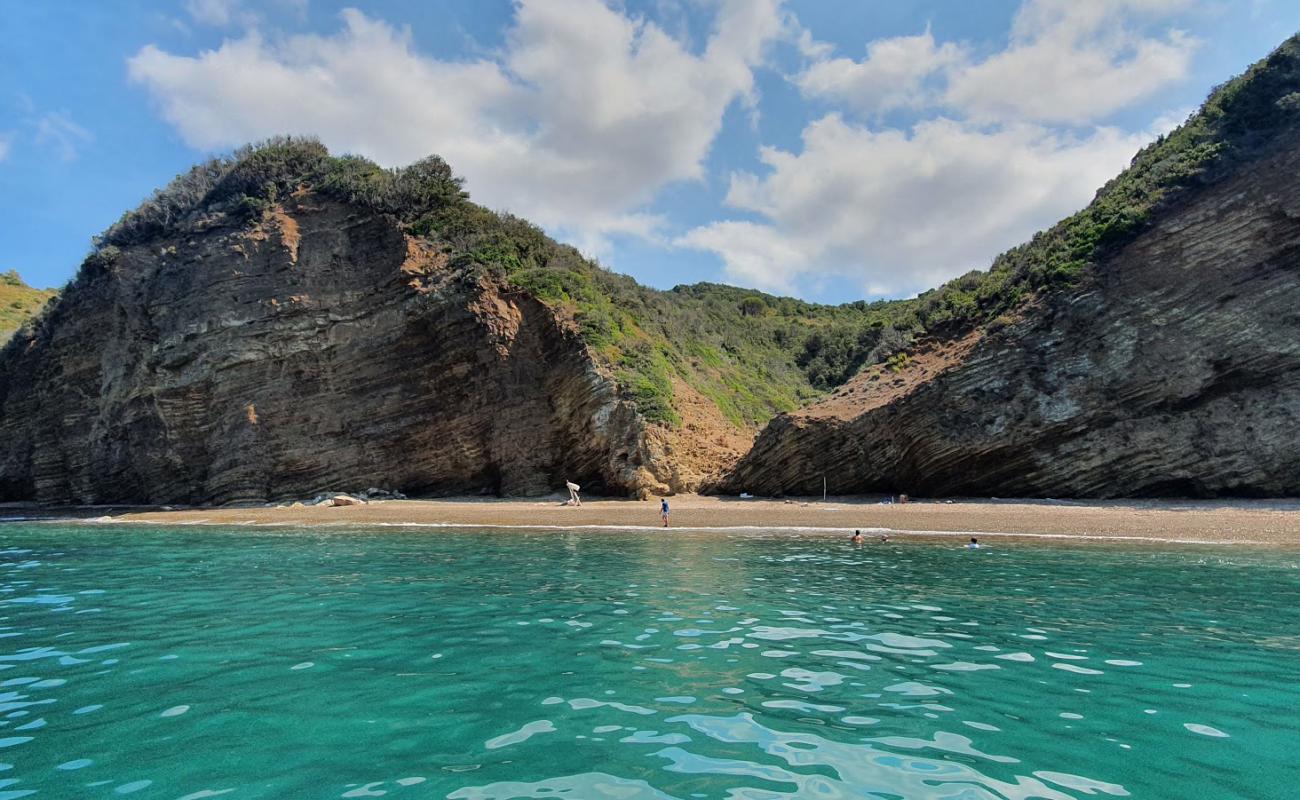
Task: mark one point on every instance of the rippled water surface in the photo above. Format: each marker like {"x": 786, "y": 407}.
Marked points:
{"x": 287, "y": 663}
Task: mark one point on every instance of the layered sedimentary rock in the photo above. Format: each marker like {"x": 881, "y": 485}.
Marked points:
{"x": 284, "y": 322}
{"x": 320, "y": 349}
{"x": 1175, "y": 370}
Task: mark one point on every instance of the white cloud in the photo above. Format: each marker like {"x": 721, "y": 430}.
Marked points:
{"x": 56, "y": 130}
{"x": 585, "y": 114}
{"x": 755, "y": 254}
{"x": 1000, "y": 146}
{"x": 1074, "y": 62}
{"x": 6, "y": 141}
{"x": 893, "y": 75}
{"x": 900, "y": 212}
{"x": 1066, "y": 62}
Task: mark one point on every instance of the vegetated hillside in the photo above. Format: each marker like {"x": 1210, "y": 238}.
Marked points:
{"x": 1238, "y": 120}
{"x": 283, "y": 321}
{"x": 18, "y": 302}
{"x": 749, "y": 353}
{"x": 752, "y": 354}
{"x": 1148, "y": 345}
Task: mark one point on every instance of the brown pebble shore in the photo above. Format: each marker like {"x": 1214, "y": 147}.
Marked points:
{"x": 1253, "y": 522}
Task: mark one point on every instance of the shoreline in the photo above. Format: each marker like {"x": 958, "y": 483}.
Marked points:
{"x": 1273, "y": 523}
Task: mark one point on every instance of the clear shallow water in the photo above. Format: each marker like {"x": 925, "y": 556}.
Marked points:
{"x": 263, "y": 663}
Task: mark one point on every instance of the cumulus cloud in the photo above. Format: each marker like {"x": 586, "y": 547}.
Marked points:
{"x": 584, "y": 115}
{"x": 1072, "y": 62}
{"x": 901, "y": 211}
{"x": 893, "y": 75}
{"x": 1066, "y": 62}
{"x": 1003, "y": 145}
{"x": 586, "y": 112}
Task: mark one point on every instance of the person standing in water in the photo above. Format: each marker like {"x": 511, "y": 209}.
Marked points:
{"x": 663, "y": 510}
{"x": 856, "y": 538}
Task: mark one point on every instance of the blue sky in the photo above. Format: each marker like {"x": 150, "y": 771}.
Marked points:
{"x": 831, "y": 149}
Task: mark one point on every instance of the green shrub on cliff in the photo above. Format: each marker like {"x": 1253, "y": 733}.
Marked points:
{"x": 254, "y": 177}
{"x": 1239, "y": 118}
{"x": 18, "y": 302}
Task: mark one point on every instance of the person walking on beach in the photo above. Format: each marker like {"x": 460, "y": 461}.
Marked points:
{"x": 663, "y": 510}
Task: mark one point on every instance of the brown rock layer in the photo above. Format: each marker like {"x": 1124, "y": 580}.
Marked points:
{"x": 322, "y": 350}
{"x": 1175, "y": 371}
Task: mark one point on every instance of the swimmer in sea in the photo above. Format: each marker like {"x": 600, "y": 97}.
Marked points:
{"x": 974, "y": 543}
{"x": 856, "y": 538}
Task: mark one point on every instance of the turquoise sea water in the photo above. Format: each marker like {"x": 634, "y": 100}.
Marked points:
{"x": 194, "y": 662}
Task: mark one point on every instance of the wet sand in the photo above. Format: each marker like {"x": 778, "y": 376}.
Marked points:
{"x": 1256, "y": 522}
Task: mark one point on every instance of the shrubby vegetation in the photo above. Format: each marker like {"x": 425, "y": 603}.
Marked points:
{"x": 751, "y": 353}
{"x": 255, "y": 177}
{"x": 1237, "y": 120}
{"x": 18, "y": 302}
{"x": 836, "y": 353}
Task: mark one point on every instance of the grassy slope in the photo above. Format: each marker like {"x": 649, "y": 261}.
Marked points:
{"x": 18, "y": 302}
{"x": 752, "y": 354}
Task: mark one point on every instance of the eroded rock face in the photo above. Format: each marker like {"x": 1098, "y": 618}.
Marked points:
{"x": 322, "y": 350}
{"x": 1176, "y": 373}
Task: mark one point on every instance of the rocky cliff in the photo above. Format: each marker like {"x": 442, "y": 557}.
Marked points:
{"x": 284, "y": 322}
{"x": 1172, "y": 370}
{"x": 319, "y": 348}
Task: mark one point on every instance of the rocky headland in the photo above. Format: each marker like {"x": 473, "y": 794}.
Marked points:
{"x": 284, "y": 322}
{"x": 322, "y": 346}
{"x": 1171, "y": 368}
{"x": 1174, "y": 373}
